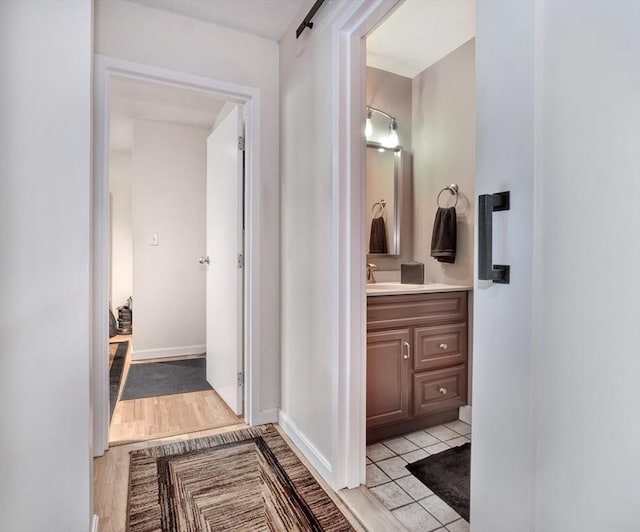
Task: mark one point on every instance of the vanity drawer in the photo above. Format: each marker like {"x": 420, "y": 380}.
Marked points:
{"x": 439, "y": 346}
{"x": 417, "y": 309}
{"x": 439, "y": 390}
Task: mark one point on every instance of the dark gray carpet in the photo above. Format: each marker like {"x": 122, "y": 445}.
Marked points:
{"x": 448, "y": 475}
{"x": 115, "y": 374}
{"x": 151, "y": 379}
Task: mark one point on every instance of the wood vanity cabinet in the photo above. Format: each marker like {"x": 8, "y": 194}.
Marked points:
{"x": 416, "y": 361}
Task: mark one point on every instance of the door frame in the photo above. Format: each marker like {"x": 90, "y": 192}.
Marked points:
{"x": 249, "y": 97}
{"x": 349, "y": 99}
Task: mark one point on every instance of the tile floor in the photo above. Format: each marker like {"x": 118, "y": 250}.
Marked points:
{"x": 409, "y": 500}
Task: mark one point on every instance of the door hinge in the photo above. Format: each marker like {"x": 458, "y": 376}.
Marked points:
{"x": 240, "y": 378}
{"x": 240, "y": 261}
{"x": 241, "y": 143}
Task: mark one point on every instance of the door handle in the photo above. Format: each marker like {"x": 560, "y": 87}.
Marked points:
{"x": 203, "y": 260}
{"x": 407, "y": 353}
{"x": 487, "y": 205}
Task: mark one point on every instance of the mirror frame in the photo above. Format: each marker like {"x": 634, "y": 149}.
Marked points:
{"x": 394, "y": 247}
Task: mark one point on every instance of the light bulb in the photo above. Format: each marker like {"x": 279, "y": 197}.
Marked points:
{"x": 392, "y": 140}
{"x": 368, "y": 128}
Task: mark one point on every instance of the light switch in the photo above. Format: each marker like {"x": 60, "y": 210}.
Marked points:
{"x": 154, "y": 240}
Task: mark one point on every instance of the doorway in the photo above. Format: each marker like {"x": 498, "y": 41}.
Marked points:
{"x": 176, "y": 189}
{"x": 420, "y": 102}
{"x": 507, "y": 51}
{"x": 226, "y": 103}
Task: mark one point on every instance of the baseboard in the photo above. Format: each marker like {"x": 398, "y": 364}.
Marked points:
{"x": 317, "y": 459}
{"x": 167, "y": 352}
{"x": 94, "y": 523}
{"x": 465, "y": 414}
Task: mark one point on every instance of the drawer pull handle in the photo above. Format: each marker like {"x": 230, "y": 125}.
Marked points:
{"x": 443, "y": 391}
{"x": 407, "y": 353}
{"x": 443, "y": 347}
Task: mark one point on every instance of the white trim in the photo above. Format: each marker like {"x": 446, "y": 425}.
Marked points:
{"x": 311, "y": 453}
{"x": 266, "y": 416}
{"x": 464, "y": 414}
{"x": 168, "y": 352}
{"x": 349, "y": 233}
{"x": 94, "y": 523}
{"x": 249, "y": 97}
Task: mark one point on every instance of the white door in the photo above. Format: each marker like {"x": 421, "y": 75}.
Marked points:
{"x": 224, "y": 251}
{"x": 501, "y": 466}
{"x": 555, "y": 363}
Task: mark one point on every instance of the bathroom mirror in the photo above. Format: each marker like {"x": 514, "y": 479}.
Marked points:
{"x": 384, "y": 171}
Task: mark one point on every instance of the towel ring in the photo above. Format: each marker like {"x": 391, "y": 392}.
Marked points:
{"x": 381, "y": 205}
{"x": 453, "y": 188}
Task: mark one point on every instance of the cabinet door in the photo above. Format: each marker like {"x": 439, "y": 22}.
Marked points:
{"x": 388, "y": 377}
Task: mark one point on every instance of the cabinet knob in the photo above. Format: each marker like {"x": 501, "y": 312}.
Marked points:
{"x": 443, "y": 347}
{"x": 443, "y": 391}
{"x": 407, "y": 353}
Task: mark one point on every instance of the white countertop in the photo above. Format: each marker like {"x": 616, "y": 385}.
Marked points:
{"x": 397, "y": 288}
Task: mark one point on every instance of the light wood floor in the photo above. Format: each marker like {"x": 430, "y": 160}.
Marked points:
{"x": 167, "y": 415}
{"x": 156, "y": 420}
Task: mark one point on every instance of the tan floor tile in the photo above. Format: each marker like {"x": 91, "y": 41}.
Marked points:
{"x": 394, "y": 467}
{"x": 443, "y": 433}
{"x": 391, "y": 495}
{"x": 414, "y": 487}
{"x": 400, "y": 445}
{"x": 458, "y": 526}
{"x": 439, "y": 509}
{"x": 375, "y": 476}
{"x": 415, "y": 518}
{"x": 377, "y": 452}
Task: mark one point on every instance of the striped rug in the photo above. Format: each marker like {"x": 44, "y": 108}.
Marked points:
{"x": 243, "y": 480}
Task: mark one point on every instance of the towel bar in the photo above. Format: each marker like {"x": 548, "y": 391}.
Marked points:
{"x": 453, "y": 188}
{"x": 382, "y": 204}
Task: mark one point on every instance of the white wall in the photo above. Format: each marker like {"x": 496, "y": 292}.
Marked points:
{"x": 120, "y": 187}
{"x": 45, "y": 145}
{"x": 134, "y": 32}
{"x": 309, "y": 350}
{"x": 392, "y": 94}
{"x": 169, "y": 191}
{"x": 444, "y": 140}
{"x": 587, "y": 337}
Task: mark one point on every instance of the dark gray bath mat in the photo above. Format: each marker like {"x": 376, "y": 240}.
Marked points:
{"x": 151, "y": 379}
{"x": 115, "y": 374}
{"x": 448, "y": 475}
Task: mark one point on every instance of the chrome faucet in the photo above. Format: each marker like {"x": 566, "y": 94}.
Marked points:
{"x": 370, "y": 269}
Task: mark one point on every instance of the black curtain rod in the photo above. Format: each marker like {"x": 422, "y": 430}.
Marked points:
{"x": 306, "y": 23}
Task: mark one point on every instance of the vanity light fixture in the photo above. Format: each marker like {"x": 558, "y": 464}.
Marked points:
{"x": 390, "y": 141}
{"x": 368, "y": 128}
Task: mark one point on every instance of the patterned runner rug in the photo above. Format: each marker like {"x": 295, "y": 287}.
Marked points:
{"x": 243, "y": 480}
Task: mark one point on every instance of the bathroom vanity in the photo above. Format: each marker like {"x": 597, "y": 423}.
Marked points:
{"x": 417, "y": 356}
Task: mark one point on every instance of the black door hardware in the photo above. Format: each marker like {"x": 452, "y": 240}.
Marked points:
{"x": 487, "y": 205}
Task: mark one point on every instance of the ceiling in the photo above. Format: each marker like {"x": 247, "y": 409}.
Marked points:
{"x": 419, "y": 33}
{"x": 130, "y": 99}
{"x": 266, "y": 18}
